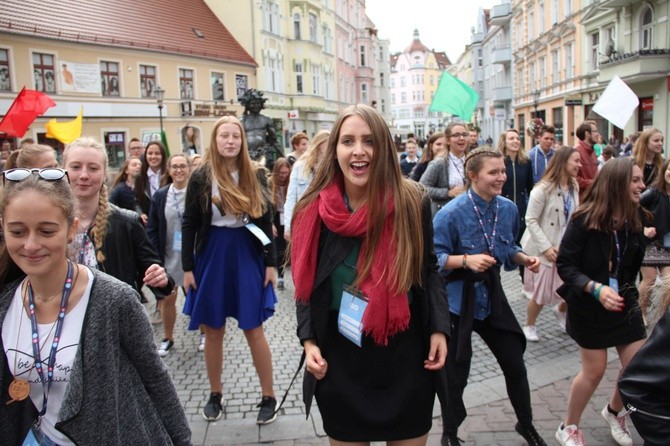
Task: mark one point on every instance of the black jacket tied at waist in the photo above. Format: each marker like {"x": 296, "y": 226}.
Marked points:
{"x": 501, "y": 316}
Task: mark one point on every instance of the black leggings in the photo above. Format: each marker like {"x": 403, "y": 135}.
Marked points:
{"x": 280, "y": 244}
{"x": 507, "y": 347}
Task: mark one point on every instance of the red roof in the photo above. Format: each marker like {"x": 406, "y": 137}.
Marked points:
{"x": 416, "y": 44}
{"x": 442, "y": 59}
{"x": 167, "y": 26}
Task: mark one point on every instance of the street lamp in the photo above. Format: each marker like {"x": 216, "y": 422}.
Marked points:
{"x": 159, "y": 98}
{"x": 536, "y": 100}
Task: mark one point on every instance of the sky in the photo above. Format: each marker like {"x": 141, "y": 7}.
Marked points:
{"x": 444, "y": 25}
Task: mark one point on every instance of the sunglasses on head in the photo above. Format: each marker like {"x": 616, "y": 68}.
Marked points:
{"x": 20, "y": 174}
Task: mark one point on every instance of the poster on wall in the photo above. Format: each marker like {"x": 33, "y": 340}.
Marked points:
{"x": 79, "y": 77}
{"x": 241, "y": 84}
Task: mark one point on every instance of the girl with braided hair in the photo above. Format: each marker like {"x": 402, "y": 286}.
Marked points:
{"x": 109, "y": 238}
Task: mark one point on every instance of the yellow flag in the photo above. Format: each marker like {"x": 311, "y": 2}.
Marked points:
{"x": 65, "y": 132}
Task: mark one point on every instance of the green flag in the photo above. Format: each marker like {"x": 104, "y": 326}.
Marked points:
{"x": 454, "y": 96}
{"x": 164, "y": 141}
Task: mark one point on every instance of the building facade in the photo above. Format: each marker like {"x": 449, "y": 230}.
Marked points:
{"x": 111, "y": 65}
{"x": 631, "y": 40}
{"x": 415, "y": 75}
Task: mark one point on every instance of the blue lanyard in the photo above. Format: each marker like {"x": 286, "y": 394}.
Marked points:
{"x": 490, "y": 240}
{"x": 67, "y": 288}
{"x": 180, "y": 211}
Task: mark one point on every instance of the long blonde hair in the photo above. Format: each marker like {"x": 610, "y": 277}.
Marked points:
{"x": 385, "y": 182}
{"x": 312, "y": 156}
{"x": 245, "y": 197}
{"x": 521, "y": 156}
{"x": 99, "y": 230}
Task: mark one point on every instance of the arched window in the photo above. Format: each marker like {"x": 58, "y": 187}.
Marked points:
{"x": 296, "y": 26}
{"x": 646, "y": 28}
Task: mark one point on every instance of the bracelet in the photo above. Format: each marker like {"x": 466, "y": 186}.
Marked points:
{"x": 596, "y": 293}
{"x": 465, "y": 259}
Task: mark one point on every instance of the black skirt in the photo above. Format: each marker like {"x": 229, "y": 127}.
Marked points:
{"x": 603, "y": 328}
{"x": 374, "y": 393}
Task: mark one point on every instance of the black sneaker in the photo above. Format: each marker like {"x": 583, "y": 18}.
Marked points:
{"x": 213, "y": 409}
{"x": 450, "y": 440}
{"x": 530, "y": 435}
{"x": 267, "y": 413}
{"x": 165, "y": 347}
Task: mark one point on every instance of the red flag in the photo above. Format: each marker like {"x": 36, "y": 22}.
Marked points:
{"x": 27, "y": 106}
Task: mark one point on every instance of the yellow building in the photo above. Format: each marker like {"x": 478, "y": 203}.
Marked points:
{"x": 112, "y": 62}
{"x": 293, "y": 42}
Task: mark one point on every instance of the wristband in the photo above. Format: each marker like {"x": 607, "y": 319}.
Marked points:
{"x": 596, "y": 293}
{"x": 593, "y": 287}
{"x": 465, "y": 258}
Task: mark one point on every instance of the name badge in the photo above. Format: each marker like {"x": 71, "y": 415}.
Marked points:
{"x": 34, "y": 437}
{"x": 350, "y": 319}
{"x": 176, "y": 241}
{"x": 614, "y": 284}
{"x": 258, "y": 233}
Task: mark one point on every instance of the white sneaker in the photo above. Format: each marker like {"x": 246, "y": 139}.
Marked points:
{"x": 165, "y": 347}
{"x": 561, "y": 316}
{"x": 620, "y": 432}
{"x": 531, "y": 333}
{"x": 569, "y": 435}
{"x": 201, "y": 346}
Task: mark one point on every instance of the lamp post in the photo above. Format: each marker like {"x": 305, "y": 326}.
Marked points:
{"x": 536, "y": 100}
{"x": 160, "y": 93}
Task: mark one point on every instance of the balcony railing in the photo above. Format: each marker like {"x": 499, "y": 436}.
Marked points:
{"x": 501, "y": 55}
{"x": 501, "y": 14}
{"x": 618, "y": 57}
{"x": 502, "y": 94}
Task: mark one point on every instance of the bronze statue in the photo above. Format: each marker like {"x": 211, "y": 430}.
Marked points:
{"x": 260, "y": 130}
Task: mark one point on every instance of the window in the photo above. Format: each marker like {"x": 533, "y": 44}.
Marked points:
{"x": 364, "y": 93}
{"x": 554, "y": 12}
{"x": 540, "y": 18}
{"x": 216, "y": 80}
{"x": 312, "y": 27}
{"x": 316, "y": 79}
{"x": 362, "y": 53}
{"x": 595, "y": 49}
{"x": 392, "y": 98}
{"x": 148, "y": 81}
{"x": 392, "y": 82}
{"x": 186, "y": 83}
{"x": 568, "y": 8}
{"x": 329, "y": 83}
{"x": 569, "y": 61}
{"x": 45, "y": 77}
{"x": 5, "y": 76}
{"x": 646, "y": 28}
{"x": 480, "y": 57}
{"x": 296, "y": 26}
{"x": 555, "y": 67}
{"x": 403, "y": 81}
{"x": 381, "y": 79}
{"x": 327, "y": 40}
{"x": 403, "y": 97}
{"x": 383, "y": 106}
{"x": 270, "y": 16}
{"x": 109, "y": 78}
{"x": 432, "y": 80}
{"x": 241, "y": 85}
{"x": 543, "y": 70}
{"x": 115, "y": 143}
{"x": 531, "y": 25}
{"x": 531, "y": 76}
{"x": 298, "y": 77}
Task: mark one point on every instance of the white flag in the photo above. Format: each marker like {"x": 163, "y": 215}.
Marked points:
{"x": 617, "y": 103}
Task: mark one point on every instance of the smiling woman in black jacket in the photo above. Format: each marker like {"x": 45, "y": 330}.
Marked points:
{"x": 109, "y": 238}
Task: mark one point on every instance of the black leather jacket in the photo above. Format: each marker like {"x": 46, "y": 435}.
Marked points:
{"x": 128, "y": 252}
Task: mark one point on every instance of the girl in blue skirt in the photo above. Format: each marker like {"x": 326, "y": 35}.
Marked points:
{"x": 229, "y": 259}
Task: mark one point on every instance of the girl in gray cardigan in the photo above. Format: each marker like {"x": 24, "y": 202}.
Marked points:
{"x": 104, "y": 383}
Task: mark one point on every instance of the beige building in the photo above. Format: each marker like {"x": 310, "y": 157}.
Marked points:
{"x": 550, "y": 72}
{"x": 111, "y": 64}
